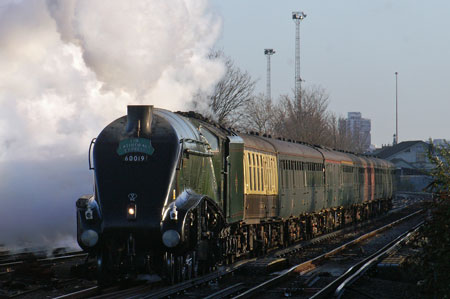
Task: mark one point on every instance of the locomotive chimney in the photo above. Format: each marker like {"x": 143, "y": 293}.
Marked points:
{"x": 139, "y": 120}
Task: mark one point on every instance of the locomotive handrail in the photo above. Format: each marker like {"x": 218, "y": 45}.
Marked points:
{"x": 194, "y": 152}
{"x": 197, "y": 153}
{"x": 193, "y": 141}
{"x": 90, "y": 152}
{"x": 180, "y": 155}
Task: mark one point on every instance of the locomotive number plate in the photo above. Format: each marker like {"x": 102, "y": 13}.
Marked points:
{"x": 137, "y": 158}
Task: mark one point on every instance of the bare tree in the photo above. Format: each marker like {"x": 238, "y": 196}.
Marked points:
{"x": 257, "y": 116}
{"x": 306, "y": 120}
{"x": 230, "y": 94}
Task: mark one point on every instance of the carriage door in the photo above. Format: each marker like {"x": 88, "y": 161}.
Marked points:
{"x": 235, "y": 179}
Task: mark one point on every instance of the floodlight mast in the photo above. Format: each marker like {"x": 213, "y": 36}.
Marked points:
{"x": 268, "y": 53}
{"x": 297, "y": 16}
{"x": 396, "y": 107}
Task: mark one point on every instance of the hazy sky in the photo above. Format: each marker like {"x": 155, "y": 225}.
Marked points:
{"x": 352, "y": 49}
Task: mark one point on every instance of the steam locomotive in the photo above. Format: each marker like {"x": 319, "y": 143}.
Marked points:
{"x": 176, "y": 195}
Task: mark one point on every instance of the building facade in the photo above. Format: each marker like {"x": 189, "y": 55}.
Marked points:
{"x": 411, "y": 161}
{"x": 359, "y": 128}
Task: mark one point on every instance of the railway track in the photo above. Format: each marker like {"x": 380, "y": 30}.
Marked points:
{"x": 8, "y": 265}
{"x": 155, "y": 289}
{"x": 27, "y": 274}
{"x": 21, "y": 261}
{"x": 339, "y": 285}
{"x": 234, "y": 280}
{"x": 210, "y": 286}
{"x": 251, "y": 281}
{"x": 300, "y": 279}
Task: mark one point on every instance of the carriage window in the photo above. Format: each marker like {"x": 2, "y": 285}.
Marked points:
{"x": 286, "y": 179}
{"x": 267, "y": 173}
{"x": 262, "y": 172}
{"x": 256, "y": 171}
{"x": 250, "y": 171}
{"x": 253, "y": 172}
{"x": 293, "y": 175}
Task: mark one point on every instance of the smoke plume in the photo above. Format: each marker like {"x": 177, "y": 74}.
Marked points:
{"x": 67, "y": 69}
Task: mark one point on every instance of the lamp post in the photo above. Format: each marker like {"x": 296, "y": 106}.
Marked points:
{"x": 396, "y": 107}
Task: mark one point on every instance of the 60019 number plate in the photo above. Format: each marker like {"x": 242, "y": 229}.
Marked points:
{"x": 135, "y": 158}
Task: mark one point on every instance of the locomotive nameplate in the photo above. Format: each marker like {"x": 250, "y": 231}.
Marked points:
{"x": 135, "y": 146}
{"x": 135, "y": 150}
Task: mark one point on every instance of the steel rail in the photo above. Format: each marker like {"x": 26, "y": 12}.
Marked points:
{"x": 337, "y": 286}
{"x": 370, "y": 262}
{"x": 89, "y": 292}
{"x": 225, "y": 293}
{"x": 115, "y": 291}
{"x": 310, "y": 264}
{"x": 70, "y": 255}
{"x": 181, "y": 287}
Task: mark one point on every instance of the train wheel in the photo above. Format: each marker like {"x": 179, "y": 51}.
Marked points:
{"x": 169, "y": 261}
{"x": 187, "y": 269}
{"x": 179, "y": 267}
{"x": 190, "y": 266}
{"x": 104, "y": 276}
{"x": 194, "y": 264}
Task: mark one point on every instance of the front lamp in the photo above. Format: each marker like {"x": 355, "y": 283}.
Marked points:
{"x": 89, "y": 238}
{"x": 171, "y": 238}
{"x": 131, "y": 211}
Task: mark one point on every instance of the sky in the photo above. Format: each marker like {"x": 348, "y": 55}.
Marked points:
{"x": 352, "y": 49}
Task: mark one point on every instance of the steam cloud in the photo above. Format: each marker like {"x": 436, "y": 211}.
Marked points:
{"x": 68, "y": 68}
